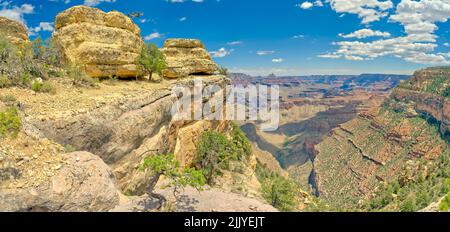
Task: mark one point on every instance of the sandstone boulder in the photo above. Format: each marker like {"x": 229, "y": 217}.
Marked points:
{"x": 187, "y": 57}
{"x": 14, "y": 31}
{"x": 84, "y": 184}
{"x": 107, "y": 44}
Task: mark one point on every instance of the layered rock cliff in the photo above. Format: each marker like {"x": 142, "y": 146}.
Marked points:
{"x": 106, "y": 44}
{"x": 186, "y": 57}
{"x": 405, "y": 143}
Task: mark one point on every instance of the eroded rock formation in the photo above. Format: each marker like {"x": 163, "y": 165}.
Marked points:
{"x": 107, "y": 44}
{"x": 14, "y": 31}
{"x": 186, "y": 57}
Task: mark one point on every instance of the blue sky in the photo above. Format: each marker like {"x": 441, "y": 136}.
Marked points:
{"x": 286, "y": 37}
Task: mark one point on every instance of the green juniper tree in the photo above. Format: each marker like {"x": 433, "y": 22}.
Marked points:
{"x": 166, "y": 165}
{"x": 152, "y": 60}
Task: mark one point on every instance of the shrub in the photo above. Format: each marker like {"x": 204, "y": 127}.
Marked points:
{"x": 409, "y": 205}
{"x": 5, "y": 82}
{"x": 36, "y": 86}
{"x": 69, "y": 148}
{"x": 223, "y": 71}
{"x": 10, "y": 122}
{"x": 240, "y": 142}
{"x": 25, "y": 79}
{"x": 48, "y": 87}
{"x": 151, "y": 60}
{"x": 445, "y": 203}
{"x": 280, "y": 192}
{"x": 214, "y": 152}
{"x": 17, "y": 62}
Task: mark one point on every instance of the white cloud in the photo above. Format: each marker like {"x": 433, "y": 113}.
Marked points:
{"x": 330, "y": 56}
{"x": 222, "y": 52}
{"x": 96, "y": 2}
{"x": 447, "y": 44}
{"x": 277, "y": 60}
{"x": 318, "y": 3}
{"x": 419, "y": 19}
{"x": 368, "y": 10}
{"x": 306, "y": 5}
{"x": 155, "y": 35}
{"x": 64, "y": 1}
{"x": 298, "y": 36}
{"x": 14, "y": 12}
{"x": 264, "y": 53}
{"x": 365, "y": 33}
{"x": 43, "y": 26}
{"x": 233, "y": 43}
{"x": 182, "y": 19}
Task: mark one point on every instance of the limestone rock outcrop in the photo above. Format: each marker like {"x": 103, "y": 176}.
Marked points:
{"x": 186, "y": 57}
{"x": 84, "y": 184}
{"x": 14, "y": 31}
{"x": 107, "y": 44}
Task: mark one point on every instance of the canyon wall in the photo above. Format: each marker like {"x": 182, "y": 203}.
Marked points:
{"x": 385, "y": 145}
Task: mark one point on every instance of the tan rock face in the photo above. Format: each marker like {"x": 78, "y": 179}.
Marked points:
{"x": 14, "y": 31}
{"x": 187, "y": 57}
{"x": 107, "y": 44}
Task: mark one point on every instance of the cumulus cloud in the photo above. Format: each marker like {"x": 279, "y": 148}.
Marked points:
{"x": 419, "y": 19}
{"x": 368, "y": 10}
{"x": 365, "y": 33}
{"x": 222, "y": 52}
{"x": 306, "y": 5}
{"x": 14, "y": 12}
{"x": 43, "y": 26}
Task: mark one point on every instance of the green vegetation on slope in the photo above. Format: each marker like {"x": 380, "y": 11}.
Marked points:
{"x": 437, "y": 82}
{"x": 10, "y": 122}
{"x": 445, "y": 203}
{"x": 421, "y": 181}
{"x": 215, "y": 151}
{"x": 282, "y": 193}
